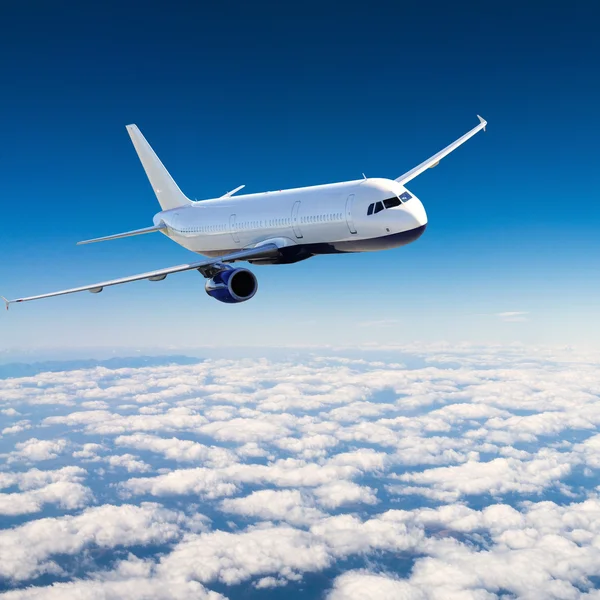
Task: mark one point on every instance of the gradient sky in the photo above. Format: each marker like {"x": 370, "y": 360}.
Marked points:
{"x": 274, "y": 95}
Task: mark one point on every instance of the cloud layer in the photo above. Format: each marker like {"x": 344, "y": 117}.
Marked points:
{"x": 477, "y": 466}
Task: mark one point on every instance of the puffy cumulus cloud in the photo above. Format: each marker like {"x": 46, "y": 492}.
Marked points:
{"x": 103, "y": 422}
{"x": 339, "y": 493}
{"x": 129, "y": 462}
{"x": 347, "y": 534}
{"x": 179, "y": 450}
{"x": 17, "y": 427}
{"x": 288, "y": 472}
{"x": 65, "y": 494}
{"x": 290, "y": 506}
{"x": 131, "y": 579}
{"x": 299, "y": 462}
{"x": 283, "y": 550}
{"x": 589, "y": 451}
{"x": 131, "y": 588}
{"x": 250, "y": 429}
{"x": 26, "y": 550}
{"x": 270, "y": 582}
{"x": 236, "y": 557}
{"x": 205, "y": 483}
{"x": 365, "y": 459}
{"x": 543, "y": 551}
{"x": 426, "y": 492}
{"x": 10, "y": 412}
{"x": 34, "y": 450}
{"x": 89, "y": 452}
{"x": 498, "y": 476}
{"x": 362, "y": 585}
{"x": 36, "y": 478}
{"x": 308, "y": 446}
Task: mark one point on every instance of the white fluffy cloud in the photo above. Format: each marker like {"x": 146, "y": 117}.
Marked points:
{"x": 34, "y": 450}
{"x": 65, "y": 494}
{"x": 129, "y": 462}
{"x": 339, "y": 493}
{"x": 179, "y": 450}
{"x": 303, "y": 464}
{"x": 289, "y": 506}
{"x": 26, "y": 551}
{"x": 498, "y": 476}
{"x": 362, "y": 585}
{"x": 132, "y": 579}
{"x": 283, "y": 550}
{"x": 35, "y": 478}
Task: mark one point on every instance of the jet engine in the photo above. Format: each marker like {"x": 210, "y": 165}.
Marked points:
{"x": 232, "y": 285}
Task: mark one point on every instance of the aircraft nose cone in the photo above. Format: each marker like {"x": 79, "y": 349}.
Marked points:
{"x": 417, "y": 211}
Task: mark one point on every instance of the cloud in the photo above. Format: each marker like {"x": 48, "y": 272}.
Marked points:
{"x": 65, "y": 494}
{"x": 89, "y": 452}
{"x": 26, "y": 550}
{"x": 131, "y": 579}
{"x": 498, "y": 476}
{"x": 289, "y": 506}
{"x": 284, "y": 551}
{"x": 340, "y": 493}
{"x": 205, "y": 483}
{"x": 34, "y": 450}
{"x": 362, "y": 585}
{"x": 128, "y": 462}
{"x": 18, "y": 427}
{"x": 179, "y": 450}
{"x": 102, "y": 422}
{"x": 35, "y": 478}
{"x": 304, "y": 464}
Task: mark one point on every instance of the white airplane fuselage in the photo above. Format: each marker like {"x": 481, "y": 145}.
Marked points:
{"x": 303, "y": 222}
{"x": 279, "y": 227}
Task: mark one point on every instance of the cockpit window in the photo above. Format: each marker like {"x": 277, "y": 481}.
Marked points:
{"x": 391, "y": 203}
{"x": 388, "y": 203}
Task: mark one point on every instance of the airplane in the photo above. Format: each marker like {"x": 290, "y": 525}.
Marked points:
{"x": 272, "y": 228}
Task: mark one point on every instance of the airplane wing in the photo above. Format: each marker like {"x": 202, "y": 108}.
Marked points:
{"x": 259, "y": 252}
{"x": 435, "y": 159}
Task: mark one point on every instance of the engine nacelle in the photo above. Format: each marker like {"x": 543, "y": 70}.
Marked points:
{"x": 232, "y": 285}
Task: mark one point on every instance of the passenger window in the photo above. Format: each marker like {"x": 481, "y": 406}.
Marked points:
{"x": 391, "y": 202}
{"x": 378, "y": 207}
{"x": 370, "y": 209}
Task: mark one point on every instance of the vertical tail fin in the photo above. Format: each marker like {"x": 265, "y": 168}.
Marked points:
{"x": 167, "y": 191}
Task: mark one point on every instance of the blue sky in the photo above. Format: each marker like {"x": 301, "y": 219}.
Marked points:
{"x": 272, "y": 96}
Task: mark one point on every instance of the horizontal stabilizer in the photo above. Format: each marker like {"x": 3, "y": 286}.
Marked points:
{"x": 117, "y": 236}
{"x": 232, "y": 192}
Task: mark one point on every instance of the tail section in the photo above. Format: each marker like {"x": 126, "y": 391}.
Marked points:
{"x": 167, "y": 191}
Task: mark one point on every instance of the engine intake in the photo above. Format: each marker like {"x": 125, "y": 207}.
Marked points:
{"x": 232, "y": 285}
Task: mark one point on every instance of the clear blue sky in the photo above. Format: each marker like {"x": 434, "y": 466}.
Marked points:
{"x": 272, "y": 96}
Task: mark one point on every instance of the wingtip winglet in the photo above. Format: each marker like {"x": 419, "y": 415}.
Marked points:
{"x": 7, "y": 302}
{"x": 482, "y": 121}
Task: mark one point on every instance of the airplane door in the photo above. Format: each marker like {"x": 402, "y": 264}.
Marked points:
{"x": 295, "y": 220}
{"x": 349, "y": 220}
{"x": 232, "y": 229}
